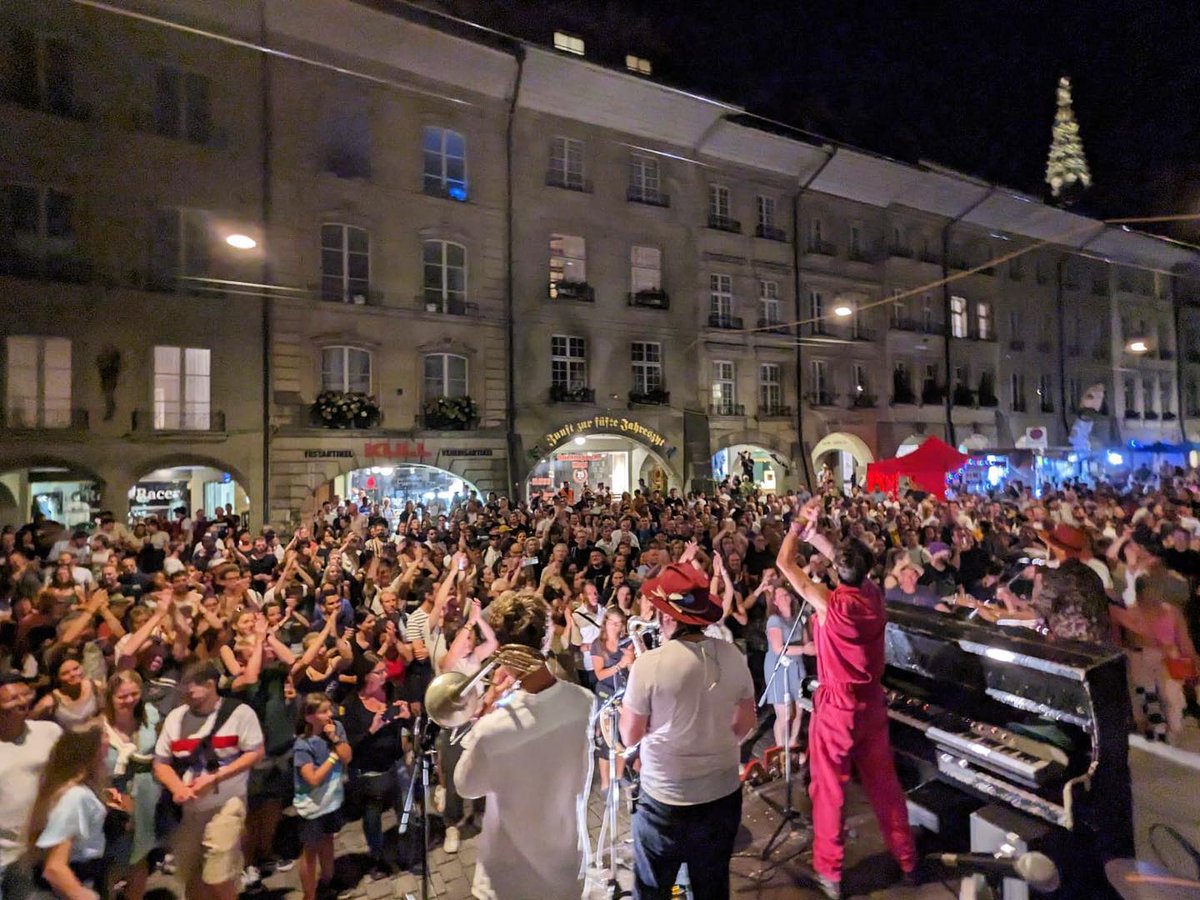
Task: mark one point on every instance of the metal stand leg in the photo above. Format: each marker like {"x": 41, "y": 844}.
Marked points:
{"x": 790, "y": 818}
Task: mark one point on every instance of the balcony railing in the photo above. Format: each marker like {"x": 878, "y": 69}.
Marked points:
{"x": 568, "y": 182}
{"x": 1168, "y": 417}
{"x": 724, "y": 223}
{"x": 1019, "y": 406}
{"x": 352, "y": 295}
{"x": 860, "y": 254}
{"x": 1132, "y": 414}
{"x": 822, "y": 248}
{"x": 647, "y": 197}
{"x": 656, "y": 397}
{"x": 433, "y": 421}
{"x": 918, "y": 326}
{"x": 770, "y": 233}
{"x": 900, "y": 251}
{"x": 964, "y": 396}
{"x": 572, "y": 290}
{"x": 561, "y": 393}
{"x": 144, "y": 421}
{"x": 987, "y": 337}
{"x": 773, "y": 326}
{"x": 726, "y": 409}
{"x": 821, "y": 398}
{"x": 933, "y": 393}
{"x": 905, "y": 397}
{"x": 22, "y": 419}
{"x": 859, "y": 333}
{"x": 928, "y": 256}
{"x": 733, "y": 323}
{"x": 988, "y": 401}
{"x": 1150, "y": 415}
{"x": 657, "y": 299}
{"x": 447, "y": 306}
{"x": 863, "y": 400}
{"x": 774, "y": 411}
{"x": 1046, "y": 407}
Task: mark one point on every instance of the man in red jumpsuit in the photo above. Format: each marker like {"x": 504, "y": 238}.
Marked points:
{"x": 849, "y": 726}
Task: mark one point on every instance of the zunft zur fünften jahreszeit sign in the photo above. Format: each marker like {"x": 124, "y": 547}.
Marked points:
{"x": 608, "y": 425}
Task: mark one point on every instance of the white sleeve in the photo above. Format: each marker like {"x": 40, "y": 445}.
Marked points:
{"x": 246, "y": 725}
{"x": 637, "y": 688}
{"x": 472, "y": 777}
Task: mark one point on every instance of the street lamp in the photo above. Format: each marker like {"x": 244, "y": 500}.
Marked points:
{"x": 843, "y": 311}
{"x": 241, "y": 242}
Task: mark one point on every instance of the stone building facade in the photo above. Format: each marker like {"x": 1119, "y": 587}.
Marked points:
{"x": 628, "y": 283}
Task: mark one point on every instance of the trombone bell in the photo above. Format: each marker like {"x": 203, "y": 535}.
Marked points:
{"x": 448, "y": 701}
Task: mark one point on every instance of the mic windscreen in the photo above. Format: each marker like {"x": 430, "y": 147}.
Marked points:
{"x": 1039, "y": 870}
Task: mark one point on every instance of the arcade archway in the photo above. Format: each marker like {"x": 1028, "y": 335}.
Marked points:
{"x": 61, "y": 491}
{"x": 762, "y": 466}
{"x": 841, "y": 457}
{"x": 391, "y": 488}
{"x": 161, "y": 492}
{"x": 587, "y": 461}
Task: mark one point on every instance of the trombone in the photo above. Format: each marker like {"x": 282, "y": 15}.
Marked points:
{"x": 451, "y": 699}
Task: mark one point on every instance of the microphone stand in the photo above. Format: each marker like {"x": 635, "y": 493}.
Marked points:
{"x": 790, "y": 817}
{"x": 421, "y": 757}
{"x": 612, "y": 799}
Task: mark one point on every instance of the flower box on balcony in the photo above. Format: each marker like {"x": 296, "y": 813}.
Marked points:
{"x": 449, "y": 413}
{"x": 345, "y": 409}
{"x": 650, "y": 398}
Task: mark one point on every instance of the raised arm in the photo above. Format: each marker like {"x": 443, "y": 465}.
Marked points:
{"x": 812, "y": 592}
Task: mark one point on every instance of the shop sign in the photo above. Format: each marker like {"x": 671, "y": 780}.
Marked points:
{"x": 395, "y": 450}
{"x": 467, "y": 451}
{"x": 159, "y": 493}
{"x": 329, "y": 454}
{"x": 608, "y": 425}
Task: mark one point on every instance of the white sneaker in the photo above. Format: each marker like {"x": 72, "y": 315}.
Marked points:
{"x": 439, "y": 799}
{"x": 450, "y": 844}
{"x": 250, "y": 877}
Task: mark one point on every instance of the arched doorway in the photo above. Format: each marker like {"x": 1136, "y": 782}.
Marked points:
{"x": 764, "y": 467}
{"x": 973, "y": 443}
{"x": 61, "y": 491}
{"x": 161, "y": 491}
{"x": 391, "y": 487}
{"x": 841, "y": 458}
{"x": 587, "y": 461}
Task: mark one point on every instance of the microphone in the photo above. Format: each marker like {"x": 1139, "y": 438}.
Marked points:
{"x": 1035, "y": 869}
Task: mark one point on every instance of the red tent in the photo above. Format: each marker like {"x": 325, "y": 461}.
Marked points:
{"x": 926, "y": 467}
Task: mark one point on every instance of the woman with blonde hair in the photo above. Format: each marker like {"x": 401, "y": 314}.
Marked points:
{"x": 65, "y": 834}
{"x": 131, "y": 726}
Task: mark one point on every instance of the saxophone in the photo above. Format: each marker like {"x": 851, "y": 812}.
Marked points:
{"x": 637, "y": 631}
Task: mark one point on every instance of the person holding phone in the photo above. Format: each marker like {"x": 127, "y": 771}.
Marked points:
{"x": 376, "y": 728}
{"x": 320, "y": 757}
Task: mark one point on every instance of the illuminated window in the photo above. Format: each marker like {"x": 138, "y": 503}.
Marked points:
{"x": 632, "y": 63}
{"x": 568, "y": 43}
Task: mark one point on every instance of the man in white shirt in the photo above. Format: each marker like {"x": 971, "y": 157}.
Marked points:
{"x": 24, "y": 750}
{"x": 203, "y": 760}
{"x": 690, "y": 702}
{"x": 530, "y": 758}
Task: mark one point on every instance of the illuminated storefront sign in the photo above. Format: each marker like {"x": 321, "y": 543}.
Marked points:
{"x": 605, "y": 425}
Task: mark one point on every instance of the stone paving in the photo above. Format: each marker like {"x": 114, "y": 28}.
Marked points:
{"x": 1157, "y": 796}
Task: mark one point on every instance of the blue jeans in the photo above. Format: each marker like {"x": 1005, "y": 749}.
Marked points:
{"x": 665, "y": 837}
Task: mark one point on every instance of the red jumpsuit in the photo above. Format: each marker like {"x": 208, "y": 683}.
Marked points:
{"x": 849, "y": 728}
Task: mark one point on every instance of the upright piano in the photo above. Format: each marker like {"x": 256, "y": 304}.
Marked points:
{"x": 1009, "y": 717}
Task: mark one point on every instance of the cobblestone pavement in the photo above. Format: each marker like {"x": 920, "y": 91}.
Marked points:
{"x": 1157, "y": 781}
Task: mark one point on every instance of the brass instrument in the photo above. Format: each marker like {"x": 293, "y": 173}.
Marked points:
{"x": 638, "y": 628}
{"x": 451, "y": 700}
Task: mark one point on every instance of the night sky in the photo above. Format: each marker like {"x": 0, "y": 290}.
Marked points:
{"x": 968, "y": 84}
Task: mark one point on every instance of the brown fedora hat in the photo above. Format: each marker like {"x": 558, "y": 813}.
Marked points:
{"x": 1068, "y": 539}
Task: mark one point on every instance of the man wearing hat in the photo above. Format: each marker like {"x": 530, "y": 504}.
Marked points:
{"x": 690, "y": 702}
{"x": 849, "y": 728}
{"x": 1070, "y": 596}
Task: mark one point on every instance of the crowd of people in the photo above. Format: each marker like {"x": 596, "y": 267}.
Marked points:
{"x": 169, "y": 691}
